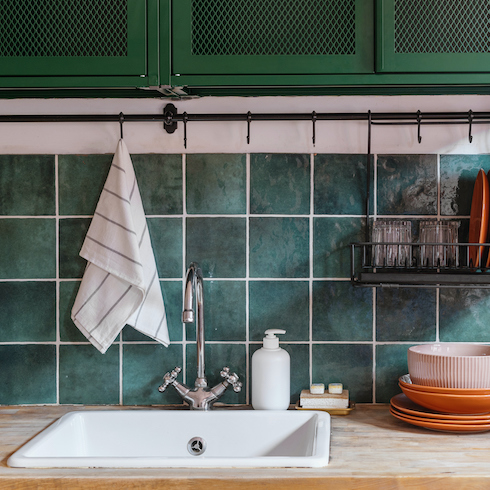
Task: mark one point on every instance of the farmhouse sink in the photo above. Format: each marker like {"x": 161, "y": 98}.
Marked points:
{"x": 177, "y": 438}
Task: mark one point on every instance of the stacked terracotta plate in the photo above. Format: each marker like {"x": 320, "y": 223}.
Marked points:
{"x": 448, "y": 387}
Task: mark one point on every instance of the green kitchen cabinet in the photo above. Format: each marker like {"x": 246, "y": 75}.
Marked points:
{"x": 79, "y": 43}
{"x": 272, "y": 37}
{"x": 433, "y": 36}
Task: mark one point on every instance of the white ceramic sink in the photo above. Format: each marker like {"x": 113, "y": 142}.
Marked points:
{"x": 160, "y": 438}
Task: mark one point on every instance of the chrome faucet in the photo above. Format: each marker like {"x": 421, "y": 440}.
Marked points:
{"x": 200, "y": 397}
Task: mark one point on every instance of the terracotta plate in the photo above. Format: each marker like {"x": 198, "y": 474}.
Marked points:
{"x": 479, "y": 217}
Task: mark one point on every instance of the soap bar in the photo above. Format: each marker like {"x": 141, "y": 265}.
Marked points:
{"x": 317, "y": 388}
{"x": 335, "y": 388}
{"x": 326, "y": 400}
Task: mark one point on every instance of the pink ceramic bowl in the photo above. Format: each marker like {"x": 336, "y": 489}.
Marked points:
{"x": 450, "y": 365}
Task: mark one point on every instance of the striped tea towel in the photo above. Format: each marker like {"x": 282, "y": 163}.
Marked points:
{"x": 120, "y": 284}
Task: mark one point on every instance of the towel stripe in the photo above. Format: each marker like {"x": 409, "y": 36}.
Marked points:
{"x": 115, "y": 251}
{"x": 114, "y": 222}
{"x": 116, "y": 195}
{"x": 148, "y": 288}
{"x": 94, "y": 292}
{"x": 118, "y": 167}
{"x": 110, "y": 309}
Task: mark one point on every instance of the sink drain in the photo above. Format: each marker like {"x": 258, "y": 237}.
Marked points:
{"x": 196, "y": 446}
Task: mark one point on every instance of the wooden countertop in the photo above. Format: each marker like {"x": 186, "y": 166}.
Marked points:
{"x": 370, "y": 449}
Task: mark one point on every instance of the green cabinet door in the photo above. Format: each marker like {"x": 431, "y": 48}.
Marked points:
{"x": 433, "y": 36}
{"x": 73, "y": 37}
{"x": 273, "y": 37}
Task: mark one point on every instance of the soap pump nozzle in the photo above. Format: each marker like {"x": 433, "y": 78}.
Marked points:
{"x": 270, "y": 339}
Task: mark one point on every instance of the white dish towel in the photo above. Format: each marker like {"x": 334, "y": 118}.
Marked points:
{"x": 120, "y": 284}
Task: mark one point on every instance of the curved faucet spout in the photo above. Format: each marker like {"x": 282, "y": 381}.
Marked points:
{"x": 194, "y": 286}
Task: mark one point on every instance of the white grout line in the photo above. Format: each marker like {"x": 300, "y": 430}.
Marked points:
{"x": 184, "y": 262}
{"x": 311, "y": 255}
{"x": 247, "y": 281}
{"x": 57, "y": 258}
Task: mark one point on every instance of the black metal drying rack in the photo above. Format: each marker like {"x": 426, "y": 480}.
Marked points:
{"x": 363, "y": 271}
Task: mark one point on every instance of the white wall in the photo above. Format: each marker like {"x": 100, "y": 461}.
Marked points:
{"x": 331, "y": 136}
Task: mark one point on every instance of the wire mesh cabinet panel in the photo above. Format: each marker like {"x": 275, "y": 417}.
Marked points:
{"x": 433, "y": 35}
{"x": 72, "y": 37}
{"x": 272, "y": 37}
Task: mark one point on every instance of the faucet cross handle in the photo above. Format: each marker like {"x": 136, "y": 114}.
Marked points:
{"x": 233, "y": 379}
{"x": 169, "y": 378}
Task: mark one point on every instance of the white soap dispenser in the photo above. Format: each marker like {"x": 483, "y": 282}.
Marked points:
{"x": 270, "y": 374}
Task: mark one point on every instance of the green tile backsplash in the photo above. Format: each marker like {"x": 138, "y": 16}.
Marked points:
{"x": 271, "y": 233}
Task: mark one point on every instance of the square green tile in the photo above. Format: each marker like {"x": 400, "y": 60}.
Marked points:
{"x": 217, "y": 357}
{"x": 407, "y": 184}
{"x": 143, "y": 370}
{"x": 28, "y": 374}
{"x": 279, "y": 183}
{"x": 72, "y": 235}
{"x": 28, "y": 248}
{"x": 331, "y": 250}
{"x": 342, "y": 312}
{"x": 340, "y": 184}
{"x": 28, "y": 311}
{"x": 87, "y": 376}
{"x": 458, "y": 175}
{"x": 27, "y": 185}
{"x": 279, "y": 247}
{"x": 217, "y": 245}
{"x": 159, "y": 179}
{"x": 68, "y": 330}
{"x": 407, "y": 314}
{"x": 349, "y": 364}
{"x": 464, "y": 315}
{"x": 81, "y": 180}
{"x": 216, "y": 184}
{"x": 224, "y": 312}
{"x": 391, "y": 363}
{"x": 299, "y": 368}
{"x": 166, "y": 240}
{"x": 172, "y": 299}
{"x": 279, "y": 304}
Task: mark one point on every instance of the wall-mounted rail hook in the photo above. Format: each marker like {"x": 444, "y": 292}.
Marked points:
{"x": 185, "y": 118}
{"x": 169, "y": 124}
{"x": 313, "y": 119}
{"x": 419, "y": 120}
{"x": 249, "y": 120}
{"x": 121, "y": 121}
{"x": 470, "y": 122}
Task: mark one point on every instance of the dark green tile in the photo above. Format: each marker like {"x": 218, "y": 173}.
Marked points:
{"x": 159, "y": 179}
{"x": 166, "y": 240}
{"x": 87, "y": 376}
{"x": 172, "y": 298}
{"x": 391, "y": 363}
{"x": 342, "y": 312}
{"x": 216, "y": 184}
{"x": 143, "y": 370}
{"x": 340, "y": 184}
{"x": 458, "y": 175}
{"x": 217, "y": 357}
{"x": 28, "y": 374}
{"x": 27, "y": 185}
{"x": 68, "y": 330}
{"x": 407, "y": 314}
{"x": 217, "y": 245}
{"x": 331, "y": 251}
{"x": 72, "y": 235}
{"x": 349, "y": 364}
{"x": 28, "y": 311}
{"x": 464, "y": 315}
{"x": 279, "y": 247}
{"x": 280, "y": 183}
{"x": 407, "y": 184}
{"x": 299, "y": 367}
{"x": 279, "y": 304}
{"x": 81, "y": 180}
{"x": 224, "y": 311}
{"x": 28, "y": 248}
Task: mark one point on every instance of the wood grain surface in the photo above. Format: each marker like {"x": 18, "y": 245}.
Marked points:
{"x": 370, "y": 449}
